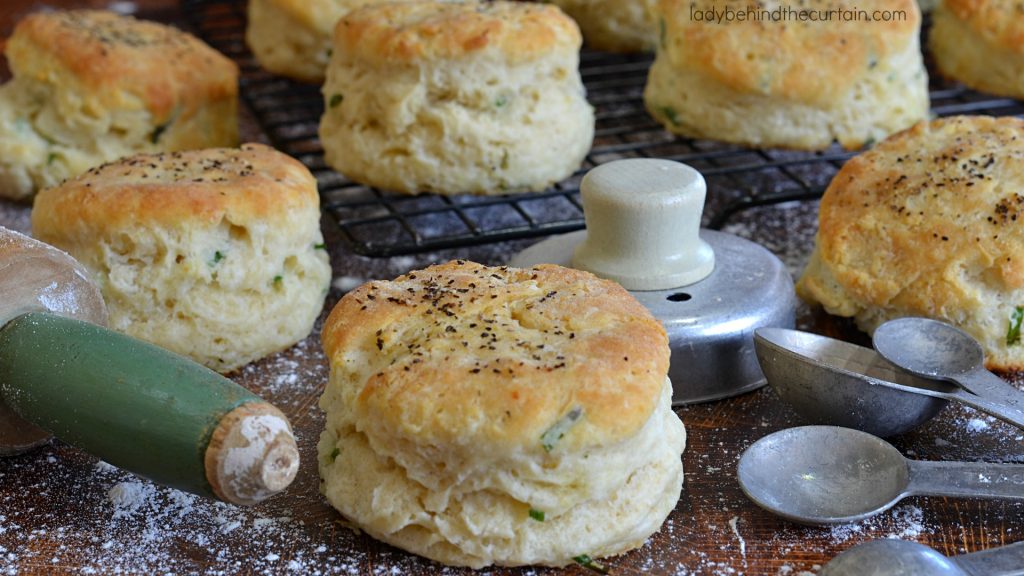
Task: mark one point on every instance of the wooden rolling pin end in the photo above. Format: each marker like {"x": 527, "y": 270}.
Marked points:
{"x": 252, "y": 454}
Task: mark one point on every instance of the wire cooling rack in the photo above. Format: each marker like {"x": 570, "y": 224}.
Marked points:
{"x": 376, "y": 223}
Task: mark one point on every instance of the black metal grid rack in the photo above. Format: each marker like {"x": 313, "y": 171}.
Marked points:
{"x": 376, "y": 223}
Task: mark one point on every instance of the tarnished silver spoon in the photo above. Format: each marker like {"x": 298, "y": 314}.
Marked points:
{"x": 829, "y": 381}
{"x": 903, "y": 558}
{"x": 831, "y": 475}
{"x": 935, "y": 350}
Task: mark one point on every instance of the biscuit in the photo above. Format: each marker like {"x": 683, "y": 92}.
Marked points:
{"x": 790, "y": 83}
{"x": 981, "y": 44}
{"x": 90, "y": 86}
{"x": 504, "y": 416}
{"x": 614, "y": 25}
{"x": 456, "y": 97}
{"x": 293, "y": 37}
{"x": 214, "y": 254}
{"x": 925, "y": 224}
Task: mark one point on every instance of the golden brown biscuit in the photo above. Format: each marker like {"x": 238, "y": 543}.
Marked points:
{"x": 789, "y": 83}
{"x": 614, "y": 25}
{"x": 456, "y": 97}
{"x": 466, "y": 401}
{"x": 293, "y": 37}
{"x": 215, "y": 254}
{"x": 411, "y": 32}
{"x": 925, "y": 224}
{"x": 980, "y": 43}
{"x": 91, "y": 86}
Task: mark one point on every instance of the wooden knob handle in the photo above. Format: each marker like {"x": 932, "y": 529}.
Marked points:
{"x": 643, "y": 224}
{"x": 252, "y": 454}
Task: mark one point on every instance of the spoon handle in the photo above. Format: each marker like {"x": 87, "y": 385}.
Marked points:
{"x": 993, "y": 388}
{"x": 1003, "y": 561}
{"x": 971, "y": 479}
{"x": 1001, "y": 409}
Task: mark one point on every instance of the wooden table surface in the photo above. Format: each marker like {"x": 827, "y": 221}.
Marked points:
{"x": 62, "y": 511}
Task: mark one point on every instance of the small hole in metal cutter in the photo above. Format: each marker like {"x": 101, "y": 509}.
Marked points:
{"x": 679, "y": 297}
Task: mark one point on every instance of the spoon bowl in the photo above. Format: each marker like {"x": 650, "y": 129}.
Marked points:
{"x": 892, "y": 558}
{"x": 929, "y": 348}
{"x": 903, "y": 558}
{"x": 935, "y": 350}
{"x": 828, "y": 475}
{"x": 832, "y": 382}
{"x": 823, "y": 474}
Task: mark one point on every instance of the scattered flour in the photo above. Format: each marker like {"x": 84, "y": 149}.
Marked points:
{"x": 735, "y": 530}
{"x": 789, "y": 570}
{"x": 128, "y": 497}
{"x": 347, "y": 283}
{"x": 149, "y": 528}
{"x": 976, "y": 424}
{"x": 907, "y": 522}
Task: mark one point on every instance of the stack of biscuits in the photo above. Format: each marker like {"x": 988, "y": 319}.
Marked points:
{"x": 480, "y": 415}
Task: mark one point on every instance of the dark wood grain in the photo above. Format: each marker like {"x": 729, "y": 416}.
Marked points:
{"x": 60, "y": 512}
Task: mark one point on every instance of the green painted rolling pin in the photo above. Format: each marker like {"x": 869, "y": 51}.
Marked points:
{"x": 135, "y": 405}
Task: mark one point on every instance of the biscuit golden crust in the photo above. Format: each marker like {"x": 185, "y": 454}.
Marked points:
{"x": 811, "y": 62}
{"x": 767, "y": 82}
{"x": 456, "y": 98}
{"x": 293, "y": 37}
{"x": 614, "y": 25}
{"x": 981, "y": 43}
{"x": 319, "y": 14}
{"x": 214, "y": 254}
{"x": 409, "y": 32}
{"x": 926, "y": 224}
{"x": 998, "y": 21}
{"x": 90, "y": 86}
{"x": 105, "y": 52}
{"x": 248, "y": 184}
{"x": 461, "y": 351}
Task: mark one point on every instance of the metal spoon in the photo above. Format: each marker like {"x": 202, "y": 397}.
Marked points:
{"x": 830, "y": 475}
{"x": 903, "y": 558}
{"x": 829, "y": 381}
{"x": 936, "y": 350}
